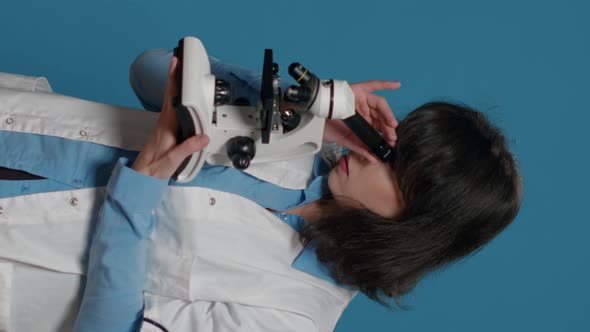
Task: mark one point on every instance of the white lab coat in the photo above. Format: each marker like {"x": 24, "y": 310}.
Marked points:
{"x": 221, "y": 264}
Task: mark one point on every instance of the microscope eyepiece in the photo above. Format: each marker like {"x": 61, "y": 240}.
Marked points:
{"x": 370, "y": 137}
{"x": 301, "y": 74}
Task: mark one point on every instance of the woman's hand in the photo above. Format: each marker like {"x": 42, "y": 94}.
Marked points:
{"x": 161, "y": 156}
{"x": 374, "y": 109}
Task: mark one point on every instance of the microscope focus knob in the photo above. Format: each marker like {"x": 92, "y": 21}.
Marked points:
{"x": 241, "y": 150}
{"x": 291, "y": 119}
{"x": 223, "y": 93}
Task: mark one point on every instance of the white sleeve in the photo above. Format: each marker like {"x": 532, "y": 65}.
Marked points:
{"x": 205, "y": 316}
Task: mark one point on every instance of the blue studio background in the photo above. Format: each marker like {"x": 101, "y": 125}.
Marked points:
{"x": 523, "y": 63}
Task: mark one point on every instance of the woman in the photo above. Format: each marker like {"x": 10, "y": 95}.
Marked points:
{"x": 377, "y": 249}
{"x": 453, "y": 181}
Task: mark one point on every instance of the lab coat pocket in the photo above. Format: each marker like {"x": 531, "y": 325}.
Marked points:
{"x": 50, "y": 230}
{"x": 168, "y": 272}
{"x": 5, "y": 292}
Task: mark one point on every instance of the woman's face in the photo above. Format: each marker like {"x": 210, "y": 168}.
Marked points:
{"x": 374, "y": 185}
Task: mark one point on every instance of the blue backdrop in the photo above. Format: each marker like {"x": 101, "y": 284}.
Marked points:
{"x": 524, "y": 63}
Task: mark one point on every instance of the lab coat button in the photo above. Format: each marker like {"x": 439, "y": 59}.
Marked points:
{"x": 83, "y": 133}
{"x": 211, "y": 201}
{"x": 10, "y": 120}
{"x": 74, "y": 201}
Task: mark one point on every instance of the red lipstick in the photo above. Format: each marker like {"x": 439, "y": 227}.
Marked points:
{"x": 343, "y": 164}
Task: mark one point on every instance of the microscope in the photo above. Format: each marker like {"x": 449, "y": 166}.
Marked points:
{"x": 283, "y": 125}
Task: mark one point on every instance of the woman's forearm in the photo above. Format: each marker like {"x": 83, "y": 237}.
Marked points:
{"x": 113, "y": 297}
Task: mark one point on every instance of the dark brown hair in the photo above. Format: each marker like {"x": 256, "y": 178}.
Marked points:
{"x": 461, "y": 188}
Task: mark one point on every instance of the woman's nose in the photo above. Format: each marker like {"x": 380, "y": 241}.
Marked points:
{"x": 358, "y": 158}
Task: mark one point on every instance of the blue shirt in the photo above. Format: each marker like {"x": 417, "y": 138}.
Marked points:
{"x": 69, "y": 164}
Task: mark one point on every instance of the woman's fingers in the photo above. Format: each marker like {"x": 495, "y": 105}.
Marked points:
{"x": 171, "y": 89}
{"x": 361, "y": 105}
{"x": 172, "y": 160}
{"x": 168, "y": 120}
{"x": 382, "y": 118}
{"x": 376, "y": 85}
{"x": 368, "y": 116}
{"x": 162, "y": 155}
{"x": 388, "y": 132}
{"x": 189, "y": 146}
{"x": 380, "y": 106}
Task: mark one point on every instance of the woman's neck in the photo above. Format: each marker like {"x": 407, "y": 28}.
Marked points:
{"x": 306, "y": 211}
